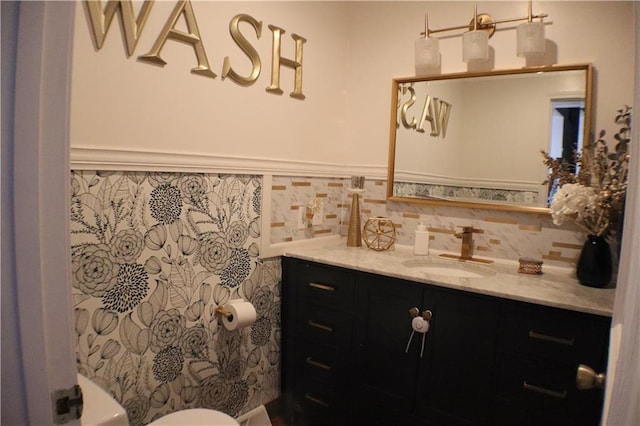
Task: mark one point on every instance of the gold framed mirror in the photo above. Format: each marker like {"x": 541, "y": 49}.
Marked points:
{"x": 474, "y": 139}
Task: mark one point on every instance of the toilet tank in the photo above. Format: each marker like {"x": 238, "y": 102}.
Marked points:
{"x": 99, "y": 408}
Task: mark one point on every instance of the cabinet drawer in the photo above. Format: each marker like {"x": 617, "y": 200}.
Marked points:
{"x": 318, "y": 404}
{"x": 558, "y": 335}
{"x": 509, "y": 413}
{"x": 324, "y": 326}
{"x": 524, "y": 378}
{"x": 327, "y": 287}
{"x": 536, "y": 392}
{"x": 320, "y": 363}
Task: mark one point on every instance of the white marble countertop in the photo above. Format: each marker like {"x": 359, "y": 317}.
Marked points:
{"x": 556, "y": 287}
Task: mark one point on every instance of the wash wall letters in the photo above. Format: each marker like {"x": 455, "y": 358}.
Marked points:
{"x": 434, "y": 110}
{"x": 100, "y": 19}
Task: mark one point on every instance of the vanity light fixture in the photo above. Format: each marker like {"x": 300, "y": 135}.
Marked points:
{"x": 530, "y": 36}
{"x": 475, "y": 41}
{"x": 475, "y": 44}
{"x": 427, "y": 51}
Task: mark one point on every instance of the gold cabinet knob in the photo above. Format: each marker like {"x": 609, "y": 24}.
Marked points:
{"x": 587, "y": 378}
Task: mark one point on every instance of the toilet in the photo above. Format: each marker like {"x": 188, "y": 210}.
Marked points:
{"x": 99, "y": 408}
{"x": 195, "y": 417}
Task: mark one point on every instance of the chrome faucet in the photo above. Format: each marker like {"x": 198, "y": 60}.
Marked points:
{"x": 466, "y": 251}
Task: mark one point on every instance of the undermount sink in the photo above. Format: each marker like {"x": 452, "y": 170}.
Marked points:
{"x": 443, "y": 268}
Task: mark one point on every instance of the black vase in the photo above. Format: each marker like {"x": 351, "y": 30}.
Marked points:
{"x": 594, "y": 265}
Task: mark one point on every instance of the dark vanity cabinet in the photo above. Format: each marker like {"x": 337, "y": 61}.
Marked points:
{"x": 441, "y": 377}
{"x": 318, "y": 308}
{"x": 349, "y": 358}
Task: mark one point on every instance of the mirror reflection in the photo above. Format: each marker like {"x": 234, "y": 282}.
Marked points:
{"x": 474, "y": 139}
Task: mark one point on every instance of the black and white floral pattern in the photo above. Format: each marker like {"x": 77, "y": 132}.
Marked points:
{"x": 153, "y": 255}
{"x": 131, "y": 287}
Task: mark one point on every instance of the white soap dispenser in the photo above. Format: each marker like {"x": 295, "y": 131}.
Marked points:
{"x": 421, "y": 242}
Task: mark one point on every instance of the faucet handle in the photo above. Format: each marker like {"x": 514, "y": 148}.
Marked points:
{"x": 466, "y": 229}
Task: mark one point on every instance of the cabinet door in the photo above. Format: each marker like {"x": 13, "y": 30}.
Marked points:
{"x": 386, "y": 374}
{"x": 457, "y": 371}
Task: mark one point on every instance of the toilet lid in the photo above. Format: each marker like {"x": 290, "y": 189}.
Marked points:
{"x": 194, "y": 417}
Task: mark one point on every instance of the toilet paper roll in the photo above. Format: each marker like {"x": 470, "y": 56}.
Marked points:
{"x": 243, "y": 314}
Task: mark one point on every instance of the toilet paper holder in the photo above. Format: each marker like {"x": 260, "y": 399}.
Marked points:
{"x": 235, "y": 314}
{"x": 221, "y": 310}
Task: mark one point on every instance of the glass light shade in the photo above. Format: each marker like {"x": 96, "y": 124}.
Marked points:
{"x": 427, "y": 54}
{"x": 475, "y": 46}
{"x": 530, "y": 39}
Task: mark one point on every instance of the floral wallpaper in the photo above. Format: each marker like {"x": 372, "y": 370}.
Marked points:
{"x": 153, "y": 255}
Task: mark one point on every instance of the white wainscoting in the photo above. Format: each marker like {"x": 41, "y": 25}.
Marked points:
{"x": 99, "y": 158}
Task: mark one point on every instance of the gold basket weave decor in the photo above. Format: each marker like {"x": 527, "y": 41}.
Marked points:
{"x": 530, "y": 266}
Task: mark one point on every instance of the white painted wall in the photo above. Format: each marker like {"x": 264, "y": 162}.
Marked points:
{"x": 120, "y": 102}
{"x": 354, "y": 49}
{"x": 381, "y": 47}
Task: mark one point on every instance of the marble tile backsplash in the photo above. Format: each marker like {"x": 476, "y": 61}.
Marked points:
{"x": 503, "y": 235}
{"x": 290, "y": 195}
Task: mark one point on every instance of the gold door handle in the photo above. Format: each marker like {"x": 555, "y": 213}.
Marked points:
{"x": 322, "y": 286}
{"x": 315, "y": 363}
{"x": 587, "y": 378}
{"x": 544, "y": 391}
{"x": 322, "y": 327}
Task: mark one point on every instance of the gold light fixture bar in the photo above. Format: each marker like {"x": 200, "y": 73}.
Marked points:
{"x": 485, "y": 22}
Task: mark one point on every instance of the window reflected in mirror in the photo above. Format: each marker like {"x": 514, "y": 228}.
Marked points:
{"x": 567, "y": 133}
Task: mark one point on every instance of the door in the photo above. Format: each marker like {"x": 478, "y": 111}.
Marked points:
{"x": 455, "y": 380}
{"x": 39, "y": 323}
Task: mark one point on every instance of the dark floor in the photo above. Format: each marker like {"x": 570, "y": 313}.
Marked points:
{"x": 277, "y": 421}
{"x": 275, "y": 413}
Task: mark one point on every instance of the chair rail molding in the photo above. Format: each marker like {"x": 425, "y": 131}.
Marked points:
{"x": 100, "y": 158}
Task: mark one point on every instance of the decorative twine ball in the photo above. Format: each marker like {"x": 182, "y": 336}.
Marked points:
{"x": 379, "y": 233}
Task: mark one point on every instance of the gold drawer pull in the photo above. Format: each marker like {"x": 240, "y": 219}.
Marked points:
{"x": 552, "y": 339}
{"x": 544, "y": 391}
{"x": 322, "y": 286}
{"x": 322, "y": 327}
{"x": 321, "y": 365}
{"x": 316, "y": 400}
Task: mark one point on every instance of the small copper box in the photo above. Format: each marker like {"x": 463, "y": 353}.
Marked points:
{"x": 530, "y": 266}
